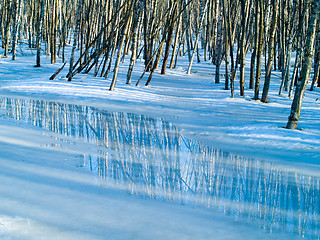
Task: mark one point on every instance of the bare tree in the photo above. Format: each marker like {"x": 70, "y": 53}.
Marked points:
{"x": 306, "y": 66}
{"x": 40, "y": 14}
{"x": 260, "y": 6}
{"x": 75, "y": 38}
{"x": 271, "y": 51}
{"x": 316, "y": 73}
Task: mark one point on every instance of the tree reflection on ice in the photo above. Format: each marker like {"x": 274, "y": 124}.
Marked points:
{"x": 151, "y": 158}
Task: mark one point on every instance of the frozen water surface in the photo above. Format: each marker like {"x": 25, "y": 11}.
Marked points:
{"x": 151, "y": 158}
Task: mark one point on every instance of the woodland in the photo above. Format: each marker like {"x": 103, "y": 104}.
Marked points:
{"x": 282, "y": 35}
{"x": 159, "y": 119}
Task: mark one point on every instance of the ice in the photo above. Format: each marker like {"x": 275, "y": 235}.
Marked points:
{"x": 151, "y": 158}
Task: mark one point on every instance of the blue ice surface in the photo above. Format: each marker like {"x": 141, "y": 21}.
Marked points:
{"x": 150, "y": 158}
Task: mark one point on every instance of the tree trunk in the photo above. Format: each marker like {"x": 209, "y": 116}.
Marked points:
{"x": 218, "y": 51}
{"x": 116, "y": 67}
{"x": 306, "y": 67}
{"x": 186, "y": 21}
{"x": 170, "y": 26}
{"x": 15, "y": 17}
{"x": 242, "y": 46}
{"x": 39, "y": 32}
{"x": 202, "y": 14}
{"x": 75, "y": 37}
{"x": 271, "y": 51}
{"x": 316, "y": 68}
{"x": 174, "y": 51}
{"x": 256, "y": 43}
{"x": 134, "y": 45}
{"x": 260, "y": 45}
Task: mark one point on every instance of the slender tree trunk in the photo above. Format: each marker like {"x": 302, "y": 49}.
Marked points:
{"x": 271, "y": 51}
{"x": 299, "y": 51}
{"x": 186, "y": 22}
{"x": 295, "y": 72}
{"x": 15, "y": 17}
{"x": 156, "y": 63}
{"x": 226, "y": 83}
{"x": 114, "y": 47}
{"x": 53, "y": 32}
{"x": 233, "y": 74}
{"x": 39, "y": 32}
{"x": 174, "y": 51}
{"x": 116, "y": 67}
{"x": 146, "y": 36}
{"x": 134, "y": 45}
{"x": 316, "y": 68}
{"x": 218, "y": 51}
{"x": 242, "y": 46}
{"x": 169, "y": 39}
{"x": 260, "y": 45}
{"x": 202, "y": 14}
{"x": 7, "y": 27}
{"x": 275, "y": 53}
{"x": 256, "y": 43}
{"x": 75, "y": 37}
{"x": 306, "y": 67}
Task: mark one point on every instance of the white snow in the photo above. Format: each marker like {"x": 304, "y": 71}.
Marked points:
{"x": 44, "y": 195}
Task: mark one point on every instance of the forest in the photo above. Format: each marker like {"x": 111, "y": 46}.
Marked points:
{"x": 281, "y": 35}
{"x": 160, "y": 119}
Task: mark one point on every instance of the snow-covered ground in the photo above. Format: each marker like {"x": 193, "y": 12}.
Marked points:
{"x": 46, "y": 195}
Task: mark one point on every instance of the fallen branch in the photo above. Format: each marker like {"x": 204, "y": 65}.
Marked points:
{"x": 58, "y": 71}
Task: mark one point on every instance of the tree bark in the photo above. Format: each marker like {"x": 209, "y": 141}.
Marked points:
{"x": 39, "y": 32}
{"x": 306, "y": 67}
{"x": 75, "y": 37}
{"x": 134, "y": 45}
{"x": 242, "y": 46}
{"x": 202, "y": 14}
{"x": 260, "y": 45}
{"x": 170, "y": 26}
{"x": 316, "y": 68}
{"x": 271, "y": 51}
{"x": 256, "y": 43}
{"x": 116, "y": 67}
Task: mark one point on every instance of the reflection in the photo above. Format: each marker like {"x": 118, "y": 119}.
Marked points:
{"x": 149, "y": 157}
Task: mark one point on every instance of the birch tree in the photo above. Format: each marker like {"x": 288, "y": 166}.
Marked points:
{"x": 271, "y": 51}
{"x": 316, "y": 72}
{"x": 260, "y": 6}
{"x": 306, "y": 66}
{"x": 75, "y": 38}
{"x": 202, "y": 14}
{"x": 40, "y": 14}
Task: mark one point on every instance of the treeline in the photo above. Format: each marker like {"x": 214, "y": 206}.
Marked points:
{"x": 159, "y": 32}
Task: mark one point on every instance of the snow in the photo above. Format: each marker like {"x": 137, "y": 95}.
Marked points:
{"x": 44, "y": 197}
{"x": 48, "y": 192}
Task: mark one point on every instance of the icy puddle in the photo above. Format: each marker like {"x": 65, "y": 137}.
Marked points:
{"x": 151, "y": 158}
